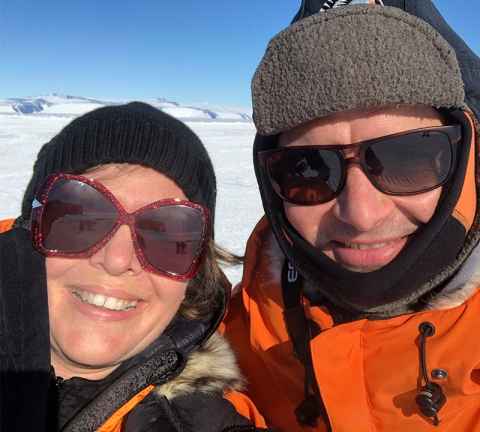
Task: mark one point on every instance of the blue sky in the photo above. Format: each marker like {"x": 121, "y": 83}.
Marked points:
{"x": 187, "y": 50}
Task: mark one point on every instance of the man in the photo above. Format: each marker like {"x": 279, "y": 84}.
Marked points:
{"x": 359, "y": 295}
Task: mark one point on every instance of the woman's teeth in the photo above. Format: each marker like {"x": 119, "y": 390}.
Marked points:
{"x": 111, "y": 303}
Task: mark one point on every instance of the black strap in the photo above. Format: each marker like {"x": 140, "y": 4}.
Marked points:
{"x": 294, "y": 313}
{"x": 300, "y": 332}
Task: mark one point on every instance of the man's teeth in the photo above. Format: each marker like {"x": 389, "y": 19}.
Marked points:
{"x": 365, "y": 246}
{"x": 111, "y": 303}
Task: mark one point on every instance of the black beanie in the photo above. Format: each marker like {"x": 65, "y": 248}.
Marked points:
{"x": 135, "y": 133}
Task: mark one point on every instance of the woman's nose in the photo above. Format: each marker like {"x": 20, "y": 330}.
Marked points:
{"x": 118, "y": 255}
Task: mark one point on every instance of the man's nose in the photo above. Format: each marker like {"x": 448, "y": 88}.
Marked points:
{"x": 360, "y": 204}
{"x": 118, "y": 255}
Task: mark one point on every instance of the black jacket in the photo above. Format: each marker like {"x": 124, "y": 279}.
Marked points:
{"x": 24, "y": 335}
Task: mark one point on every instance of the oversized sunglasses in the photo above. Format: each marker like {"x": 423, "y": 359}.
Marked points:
{"x": 75, "y": 217}
{"x": 406, "y": 163}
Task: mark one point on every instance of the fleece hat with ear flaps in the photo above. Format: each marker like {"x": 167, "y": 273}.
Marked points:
{"x": 135, "y": 133}
{"x": 352, "y": 57}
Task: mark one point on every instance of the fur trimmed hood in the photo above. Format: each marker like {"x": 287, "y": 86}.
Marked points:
{"x": 209, "y": 368}
{"x": 212, "y": 368}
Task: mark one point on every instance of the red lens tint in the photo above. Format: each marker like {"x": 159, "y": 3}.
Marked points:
{"x": 170, "y": 236}
{"x": 75, "y": 217}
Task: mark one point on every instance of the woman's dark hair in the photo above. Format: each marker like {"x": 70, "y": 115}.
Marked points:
{"x": 206, "y": 291}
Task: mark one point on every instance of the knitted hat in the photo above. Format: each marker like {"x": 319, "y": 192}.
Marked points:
{"x": 350, "y": 58}
{"x": 135, "y": 133}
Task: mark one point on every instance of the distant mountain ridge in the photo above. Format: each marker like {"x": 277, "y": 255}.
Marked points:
{"x": 72, "y": 106}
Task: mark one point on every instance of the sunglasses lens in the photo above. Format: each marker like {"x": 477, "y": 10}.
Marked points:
{"x": 411, "y": 163}
{"x": 305, "y": 176}
{"x": 76, "y": 216}
{"x": 171, "y": 237}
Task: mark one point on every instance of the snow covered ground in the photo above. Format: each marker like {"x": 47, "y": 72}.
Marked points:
{"x": 228, "y": 136}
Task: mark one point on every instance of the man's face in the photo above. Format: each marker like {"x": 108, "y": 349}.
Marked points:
{"x": 89, "y": 340}
{"x": 362, "y": 229}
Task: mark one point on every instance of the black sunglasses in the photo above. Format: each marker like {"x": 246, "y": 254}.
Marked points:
{"x": 406, "y": 163}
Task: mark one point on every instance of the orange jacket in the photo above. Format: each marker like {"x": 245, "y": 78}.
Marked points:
{"x": 368, "y": 371}
{"x": 6, "y": 224}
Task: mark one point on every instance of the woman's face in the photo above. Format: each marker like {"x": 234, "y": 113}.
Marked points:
{"x": 90, "y": 341}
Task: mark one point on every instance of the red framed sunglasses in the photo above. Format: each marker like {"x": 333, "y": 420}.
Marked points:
{"x": 74, "y": 217}
{"x": 406, "y": 163}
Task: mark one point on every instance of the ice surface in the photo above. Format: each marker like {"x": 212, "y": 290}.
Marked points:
{"x": 229, "y": 145}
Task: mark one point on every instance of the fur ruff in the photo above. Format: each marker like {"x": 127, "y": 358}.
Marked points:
{"x": 212, "y": 368}
{"x": 457, "y": 297}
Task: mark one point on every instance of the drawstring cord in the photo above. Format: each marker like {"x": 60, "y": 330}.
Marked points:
{"x": 430, "y": 397}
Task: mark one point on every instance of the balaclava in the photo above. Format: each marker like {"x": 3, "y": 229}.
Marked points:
{"x": 135, "y": 133}
{"x": 360, "y": 57}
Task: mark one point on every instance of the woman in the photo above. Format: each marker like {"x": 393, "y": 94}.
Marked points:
{"x": 120, "y": 209}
